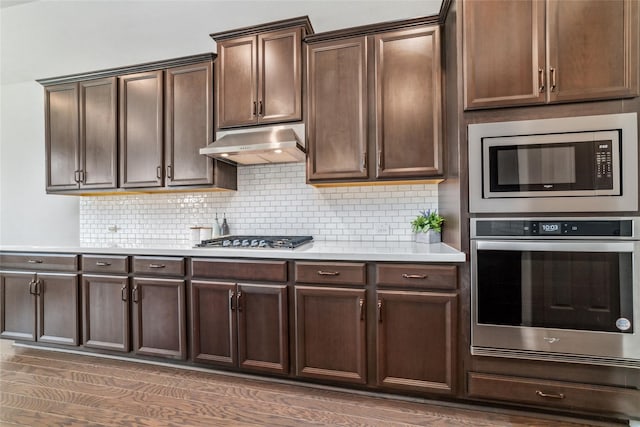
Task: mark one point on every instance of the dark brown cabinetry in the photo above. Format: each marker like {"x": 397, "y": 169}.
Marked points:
{"x": 375, "y": 104}
{"x": 138, "y": 127}
{"x": 416, "y": 328}
{"x": 159, "y": 319}
{"x": 80, "y": 135}
{"x": 38, "y": 305}
{"x": 416, "y": 336}
{"x": 141, "y": 137}
{"x": 106, "y": 302}
{"x": 240, "y": 324}
{"x": 260, "y": 73}
{"x": 330, "y": 318}
{"x": 534, "y": 52}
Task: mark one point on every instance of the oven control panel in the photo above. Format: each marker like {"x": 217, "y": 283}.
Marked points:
{"x": 553, "y": 228}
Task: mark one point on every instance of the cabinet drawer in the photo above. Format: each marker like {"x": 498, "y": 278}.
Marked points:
{"x": 158, "y": 266}
{"x": 111, "y": 264}
{"x": 49, "y": 262}
{"x": 269, "y": 271}
{"x": 557, "y": 394}
{"x": 417, "y": 276}
{"x": 335, "y": 273}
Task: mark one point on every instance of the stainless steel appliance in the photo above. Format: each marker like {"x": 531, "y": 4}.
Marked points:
{"x": 562, "y": 289}
{"x": 575, "y": 164}
{"x": 262, "y": 242}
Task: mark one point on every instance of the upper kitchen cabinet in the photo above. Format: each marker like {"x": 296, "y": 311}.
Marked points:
{"x": 535, "y": 52}
{"x": 80, "y": 135}
{"x": 259, "y": 73}
{"x": 375, "y": 103}
{"x": 133, "y": 128}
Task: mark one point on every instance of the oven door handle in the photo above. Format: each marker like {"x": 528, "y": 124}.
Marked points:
{"x": 555, "y": 246}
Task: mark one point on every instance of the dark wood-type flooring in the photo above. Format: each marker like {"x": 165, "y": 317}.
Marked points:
{"x": 46, "y": 388}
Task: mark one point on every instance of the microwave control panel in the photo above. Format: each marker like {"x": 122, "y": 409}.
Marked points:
{"x": 603, "y": 159}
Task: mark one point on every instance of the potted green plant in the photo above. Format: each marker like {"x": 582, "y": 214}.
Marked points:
{"x": 428, "y": 226}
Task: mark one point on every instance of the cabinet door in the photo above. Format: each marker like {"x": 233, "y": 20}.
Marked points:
{"x": 159, "y": 323}
{"x": 213, "y": 323}
{"x": 262, "y": 328}
{"x": 280, "y": 76}
{"x": 58, "y": 320}
{"x": 105, "y": 312}
{"x": 98, "y": 133}
{"x": 237, "y": 82}
{"x": 61, "y": 136}
{"x": 593, "y": 49}
{"x": 503, "y": 48}
{"x": 189, "y": 124}
{"x": 408, "y": 103}
{"x": 17, "y": 306}
{"x": 337, "y": 120}
{"x": 416, "y": 341}
{"x": 330, "y": 334}
{"x": 141, "y": 130}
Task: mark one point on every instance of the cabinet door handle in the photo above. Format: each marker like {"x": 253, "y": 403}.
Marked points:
{"x": 239, "y": 301}
{"x": 260, "y": 109}
{"x": 540, "y": 79}
{"x": 135, "y": 294}
{"x": 83, "y": 177}
{"x": 380, "y": 310}
{"x": 231, "y": 303}
{"x": 328, "y": 273}
{"x": 123, "y": 293}
{"x": 364, "y": 161}
{"x": 36, "y": 287}
{"x": 553, "y": 78}
{"x": 255, "y": 109}
{"x": 159, "y": 172}
{"x": 76, "y": 176}
{"x": 157, "y": 266}
{"x": 379, "y": 159}
{"x": 550, "y": 395}
{"x": 102, "y": 264}
{"x": 361, "y": 303}
{"x": 414, "y": 276}
{"x": 31, "y": 283}
{"x": 169, "y": 172}
{"x": 34, "y": 261}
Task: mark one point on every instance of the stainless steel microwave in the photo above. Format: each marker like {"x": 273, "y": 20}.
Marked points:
{"x": 576, "y": 164}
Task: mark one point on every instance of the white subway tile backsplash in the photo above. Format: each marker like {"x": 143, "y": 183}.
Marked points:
{"x": 271, "y": 199}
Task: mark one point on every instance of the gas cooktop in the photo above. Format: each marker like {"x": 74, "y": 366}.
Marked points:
{"x": 262, "y": 242}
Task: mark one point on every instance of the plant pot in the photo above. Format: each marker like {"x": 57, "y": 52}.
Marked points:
{"x": 429, "y": 237}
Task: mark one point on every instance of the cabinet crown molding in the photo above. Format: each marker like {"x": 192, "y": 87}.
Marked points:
{"x": 301, "y": 21}
{"x": 130, "y": 69}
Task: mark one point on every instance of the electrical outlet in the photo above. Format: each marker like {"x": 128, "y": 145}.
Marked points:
{"x": 381, "y": 229}
{"x": 113, "y": 228}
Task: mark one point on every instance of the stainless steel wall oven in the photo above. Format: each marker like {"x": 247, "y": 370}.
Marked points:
{"x": 562, "y": 289}
{"x": 575, "y": 164}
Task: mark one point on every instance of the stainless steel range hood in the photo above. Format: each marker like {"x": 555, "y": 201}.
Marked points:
{"x": 273, "y": 144}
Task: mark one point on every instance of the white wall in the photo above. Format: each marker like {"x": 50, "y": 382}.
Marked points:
{"x": 51, "y": 38}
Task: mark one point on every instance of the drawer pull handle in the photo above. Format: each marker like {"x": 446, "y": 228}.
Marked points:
{"x": 550, "y": 395}
{"x": 414, "y": 276}
{"x": 157, "y": 266}
{"x": 328, "y": 273}
{"x": 34, "y": 261}
{"x": 103, "y": 264}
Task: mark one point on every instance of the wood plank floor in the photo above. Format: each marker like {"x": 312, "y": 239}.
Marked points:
{"x": 46, "y": 388}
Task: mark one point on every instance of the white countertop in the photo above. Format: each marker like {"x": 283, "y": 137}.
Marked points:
{"x": 317, "y": 250}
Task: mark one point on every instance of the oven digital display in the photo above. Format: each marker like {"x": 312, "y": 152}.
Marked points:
{"x": 549, "y": 228}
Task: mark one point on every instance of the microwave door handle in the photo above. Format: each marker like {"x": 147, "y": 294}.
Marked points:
{"x": 556, "y": 246}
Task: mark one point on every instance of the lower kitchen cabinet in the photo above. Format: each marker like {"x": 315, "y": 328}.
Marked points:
{"x": 416, "y": 341}
{"x": 331, "y": 333}
{"x": 39, "y": 307}
{"x": 105, "y": 312}
{"x": 159, "y": 321}
{"x": 240, "y": 325}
